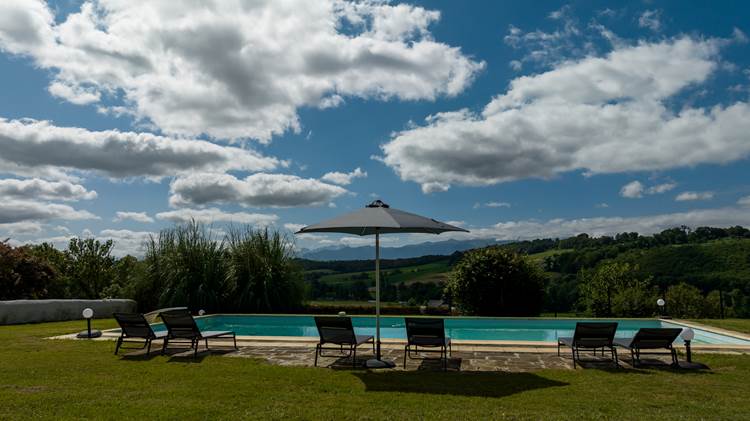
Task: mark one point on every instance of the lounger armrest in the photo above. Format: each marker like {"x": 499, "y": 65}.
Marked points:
{"x": 215, "y": 334}
{"x": 623, "y": 342}
{"x": 160, "y": 334}
{"x": 565, "y": 341}
{"x": 363, "y": 338}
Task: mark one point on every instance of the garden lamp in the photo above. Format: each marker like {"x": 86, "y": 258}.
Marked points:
{"x": 687, "y": 336}
{"x": 87, "y": 314}
{"x": 660, "y": 302}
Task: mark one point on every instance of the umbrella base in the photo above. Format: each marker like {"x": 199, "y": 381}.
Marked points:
{"x": 375, "y": 363}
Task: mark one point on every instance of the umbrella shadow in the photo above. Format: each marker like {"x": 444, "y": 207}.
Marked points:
{"x": 474, "y": 383}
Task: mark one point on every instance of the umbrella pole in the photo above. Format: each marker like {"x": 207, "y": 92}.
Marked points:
{"x": 377, "y": 362}
{"x": 377, "y": 294}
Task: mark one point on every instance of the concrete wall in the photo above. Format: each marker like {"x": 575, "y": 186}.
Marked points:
{"x": 35, "y": 311}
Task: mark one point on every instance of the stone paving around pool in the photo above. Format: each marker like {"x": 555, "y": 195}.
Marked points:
{"x": 460, "y": 360}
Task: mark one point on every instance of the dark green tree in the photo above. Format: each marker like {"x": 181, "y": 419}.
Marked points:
{"x": 90, "y": 267}
{"x": 496, "y": 282}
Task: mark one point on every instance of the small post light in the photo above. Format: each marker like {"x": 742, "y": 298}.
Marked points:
{"x": 87, "y": 314}
{"x": 687, "y": 336}
{"x": 660, "y": 302}
{"x": 201, "y": 312}
{"x": 342, "y": 314}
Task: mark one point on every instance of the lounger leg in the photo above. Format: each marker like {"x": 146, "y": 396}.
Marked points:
{"x": 445, "y": 358}
{"x": 234, "y": 336}
{"x": 573, "y": 351}
{"x": 632, "y": 358}
{"x": 117, "y": 345}
{"x": 406, "y": 349}
{"x": 614, "y": 354}
{"x": 195, "y": 344}
{"x": 164, "y": 346}
{"x": 558, "y": 348}
{"x": 354, "y": 357}
{"x": 148, "y": 345}
{"x": 317, "y": 350}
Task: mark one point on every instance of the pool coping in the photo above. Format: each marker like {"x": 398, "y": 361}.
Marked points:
{"x": 468, "y": 344}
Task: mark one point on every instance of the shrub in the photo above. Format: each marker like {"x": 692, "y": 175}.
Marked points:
{"x": 637, "y": 300}
{"x": 685, "y": 301}
{"x": 496, "y": 282}
{"x": 22, "y": 275}
{"x": 261, "y": 271}
{"x": 185, "y": 266}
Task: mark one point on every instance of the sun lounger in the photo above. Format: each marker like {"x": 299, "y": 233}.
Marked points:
{"x": 135, "y": 326}
{"x": 591, "y": 335}
{"x": 426, "y": 333}
{"x": 650, "y": 339}
{"x": 339, "y": 331}
{"x": 181, "y": 326}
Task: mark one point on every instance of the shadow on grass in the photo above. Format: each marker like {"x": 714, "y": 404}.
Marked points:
{"x": 477, "y": 383}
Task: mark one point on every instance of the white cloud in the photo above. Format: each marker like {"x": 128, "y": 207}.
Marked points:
{"x": 46, "y": 190}
{"x": 133, "y": 216}
{"x": 561, "y": 228}
{"x": 125, "y": 241}
{"x": 661, "y": 188}
{"x": 492, "y": 205}
{"x": 600, "y": 115}
{"x": 601, "y": 205}
{"x": 632, "y": 190}
{"x": 294, "y": 227}
{"x": 692, "y": 195}
{"x": 342, "y": 178}
{"x": 235, "y": 69}
{"x": 256, "y": 190}
{"x": 211, "y": 215}
{"x": 636, "y": 189}
{"x": 29, "y": 146}
{"x": 744, "y": 201}
{"x": 13, "y": 211}
{"x": 21, "y": 228}
{"x": 650, "y": 19}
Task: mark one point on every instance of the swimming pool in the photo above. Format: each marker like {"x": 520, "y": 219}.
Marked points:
{"x": 459, "y": 328}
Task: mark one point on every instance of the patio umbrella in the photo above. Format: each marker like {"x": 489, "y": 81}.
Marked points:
{"x": 379, "y": 218}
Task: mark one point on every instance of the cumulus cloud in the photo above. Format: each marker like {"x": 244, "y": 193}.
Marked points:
{"x": 256, "y": 190}
{"x": 42, "y": 189}
{"x": 650, "y": 19}
{"x": 28, "y": 146}
{"x": 649, "y": 224}
{"x": 744, "y": 201}
{"x": 600, "y": 114}
{"x": 125, "y": 241}
{"x": 235, "y": 69}
{"x": 342, "y": 178}
{"x": 133, "y": 216}
{"x": 21, "y": 228}
{"x": 636, "y": 189}
{"x": 211, "y": 215}
{"x": 692, "y": 195}
{"x": 13, "y": 211}
{"x": 661, "y": 188}
{"x": 632, "y": 190}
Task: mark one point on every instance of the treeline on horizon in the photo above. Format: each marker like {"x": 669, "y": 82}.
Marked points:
{"x": 256, "y": 271}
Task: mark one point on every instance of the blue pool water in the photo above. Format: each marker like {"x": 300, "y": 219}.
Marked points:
{"x": 457, "y": 328}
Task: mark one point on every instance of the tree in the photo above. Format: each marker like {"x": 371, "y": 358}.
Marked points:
{"x": 685, "y": 301}
{"x": 601, "y": 287}
{"x": 23, "y": 275}
{"x": 636, "y": 300}
{"x": 91, "y": 267}
{"x": 496, "y": 282}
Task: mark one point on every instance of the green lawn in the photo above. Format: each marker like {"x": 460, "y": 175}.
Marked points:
{"x": 63, "y": 379}
{"x": 738, "y": 325}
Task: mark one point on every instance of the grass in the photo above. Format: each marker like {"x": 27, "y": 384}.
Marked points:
{"x": 63, "y": 379}
{"x": 737, "y": 325}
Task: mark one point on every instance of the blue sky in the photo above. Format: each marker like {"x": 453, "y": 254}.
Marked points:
{"x": 514, "y": 120}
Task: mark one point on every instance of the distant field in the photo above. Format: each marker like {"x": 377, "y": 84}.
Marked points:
{"x": 539, "y": 257}
{"x": 429, "y": 272}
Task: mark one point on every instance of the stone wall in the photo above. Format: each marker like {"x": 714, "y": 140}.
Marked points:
{"x": 35, "y": 311}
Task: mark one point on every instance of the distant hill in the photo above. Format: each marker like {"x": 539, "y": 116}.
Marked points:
{"x": 440, "y": 248}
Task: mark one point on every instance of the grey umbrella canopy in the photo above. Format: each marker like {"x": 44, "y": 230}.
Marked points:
{"x": 375, "y": 219}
